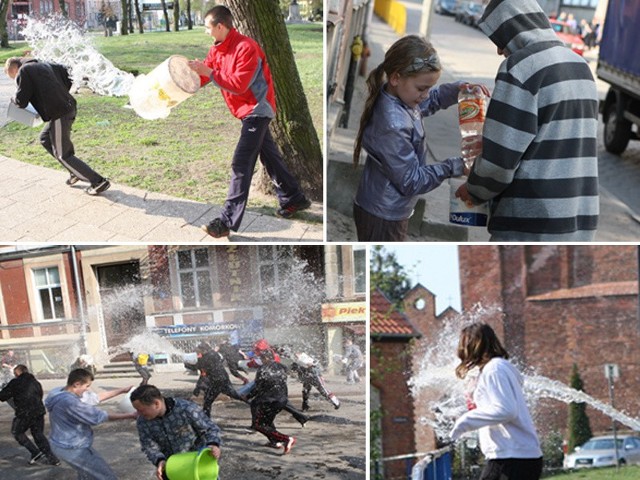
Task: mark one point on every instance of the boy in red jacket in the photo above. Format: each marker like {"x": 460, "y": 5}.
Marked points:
{"x": 237, "y": 65}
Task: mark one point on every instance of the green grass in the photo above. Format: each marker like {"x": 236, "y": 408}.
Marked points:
{"x": 625, "y": 473}
{"x": 186, "y": 155}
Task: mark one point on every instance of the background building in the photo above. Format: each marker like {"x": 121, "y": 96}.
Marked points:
{"x": 181, "y": 294}
{"x": 393, "y": 408}
{"x": 563, "y": 305}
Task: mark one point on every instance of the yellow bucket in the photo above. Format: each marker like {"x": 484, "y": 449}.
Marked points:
{"x": 200, "y": 465}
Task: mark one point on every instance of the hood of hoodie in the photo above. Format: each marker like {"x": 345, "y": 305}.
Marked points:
{"x": 516, "y": 24}
{"x": 54, "y": 397}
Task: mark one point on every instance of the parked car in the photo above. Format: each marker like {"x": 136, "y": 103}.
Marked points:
{"x": 446, "y": 7}
{"x": 568, "y": 37}
{"x": 469, "y": 13}
{"x": 600, "y": 452}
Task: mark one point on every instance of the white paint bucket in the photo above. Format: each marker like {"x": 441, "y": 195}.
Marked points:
{"x": 27, "y": 116}
{"x": 153, "y": 96}
{"x": 460, "y": 213}
{"x": 125, "y": 405}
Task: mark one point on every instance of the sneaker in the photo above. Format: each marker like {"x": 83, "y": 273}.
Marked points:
{"x": 99, "y": 188}
{"x": 53, "y": 461}
{"x": 72, "y": 180}
{"x": 335, "y": 401}
{"x": 273, "y": 445}
{"x": 289, "y": 445}
{"x": 35, "y": 458}
{"x": 290, "y": 210}
{"x": 216, "y": 228}
{"x": 250, "y": 429}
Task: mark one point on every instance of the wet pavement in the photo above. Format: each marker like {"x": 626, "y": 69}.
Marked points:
{"x": 330, "y": 446}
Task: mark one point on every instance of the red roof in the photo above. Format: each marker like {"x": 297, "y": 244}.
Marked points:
{"x": 386, "y": 320}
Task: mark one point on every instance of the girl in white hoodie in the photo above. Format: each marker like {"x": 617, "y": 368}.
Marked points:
{"x": 498, "y": 411}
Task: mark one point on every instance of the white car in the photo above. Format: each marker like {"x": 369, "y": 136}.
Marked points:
{"x": 600, "y": 452}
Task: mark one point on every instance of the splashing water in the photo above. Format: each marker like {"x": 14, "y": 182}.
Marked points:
{"x": 542, "y": 387}
{"x": 59, "y": 40}
{"x": 147, "y": 342}
{"x": 436, "y": 375}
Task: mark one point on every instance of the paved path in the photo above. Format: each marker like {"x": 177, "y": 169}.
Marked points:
{"x": 37, "y": 206}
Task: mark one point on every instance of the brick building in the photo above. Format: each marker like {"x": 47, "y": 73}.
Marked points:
{"x": 183, "y": 293}
{"x": 392, "y": 336}
{"x": 562, "y": 305}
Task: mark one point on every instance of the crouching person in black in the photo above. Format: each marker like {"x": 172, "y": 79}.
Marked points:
{"x": 171, "y": 425}
{"x": 26, "y": 393}
{"x": 268, "y": 398}
{"x": 46, "y": 86}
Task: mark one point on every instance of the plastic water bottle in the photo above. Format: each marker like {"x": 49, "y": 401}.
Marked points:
{"x": 472, "y": 105}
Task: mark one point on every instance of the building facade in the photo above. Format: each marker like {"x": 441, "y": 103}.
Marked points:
{"x": 393, "y": 408}
{"x": 557, "y": 306}
{"x": 182, "y": 294}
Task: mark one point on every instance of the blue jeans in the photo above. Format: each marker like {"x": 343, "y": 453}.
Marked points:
{"x": 255, "y": 139}
{"x": 86, "y": 461}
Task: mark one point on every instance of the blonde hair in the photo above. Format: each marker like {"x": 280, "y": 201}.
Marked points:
{"x": 478, "y": 344}
{"x": 12, "y": 62}
{"x": 408, "y": 56}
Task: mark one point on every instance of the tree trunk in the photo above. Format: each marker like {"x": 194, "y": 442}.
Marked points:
{"x": 167, "y": 25}
{"x": 124, "y": 27}
{"x": 176, "y": 15}
{"x": 4, "y": 33}
{"x": 189, "y": 22}
{"x": 293, "y": 129}
{"x": 136, "y": 5}
{"x": 130, "y": 16}
{"x": 63, "y": 8}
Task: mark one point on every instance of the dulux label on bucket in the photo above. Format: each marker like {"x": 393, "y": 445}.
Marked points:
{"x": 460, "y": 213}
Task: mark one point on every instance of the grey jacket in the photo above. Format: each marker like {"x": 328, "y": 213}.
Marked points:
{"x": 184, "y": 427}
{"x": 396, "y": 172}
{"x": 539, "y": 166}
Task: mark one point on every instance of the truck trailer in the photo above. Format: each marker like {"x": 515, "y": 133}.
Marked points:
{"x": 619, "y": 66}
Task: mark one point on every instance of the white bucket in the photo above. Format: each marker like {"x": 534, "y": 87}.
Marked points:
{"x": 125, "y": 405}
{"x": 153, "y": 96}
{"x": 27, "y": 116}
{"x": 460, "y": 213}
{"x": 190, "y": 358}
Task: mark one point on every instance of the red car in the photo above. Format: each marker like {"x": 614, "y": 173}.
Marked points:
{"x": 570, "y": 39}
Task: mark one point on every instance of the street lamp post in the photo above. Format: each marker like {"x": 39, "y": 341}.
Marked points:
{"x": 611, "y": 372}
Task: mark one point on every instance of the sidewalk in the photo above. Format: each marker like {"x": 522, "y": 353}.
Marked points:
{"x": 430, "y": 221}
{"x": 37, "y": 206}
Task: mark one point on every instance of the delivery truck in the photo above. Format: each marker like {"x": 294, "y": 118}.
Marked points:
{"x": 619, "y": 66}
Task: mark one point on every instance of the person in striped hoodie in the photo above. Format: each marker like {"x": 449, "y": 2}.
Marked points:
{"x": 538, "y": 168}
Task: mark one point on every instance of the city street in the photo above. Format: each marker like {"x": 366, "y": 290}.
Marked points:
{"x": 330, "y": 446}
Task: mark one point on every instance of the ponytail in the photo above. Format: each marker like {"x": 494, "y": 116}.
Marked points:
{"x": 374, "y": 83}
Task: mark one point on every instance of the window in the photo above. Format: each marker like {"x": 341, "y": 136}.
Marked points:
{"x": 194, "y": 278}
{"x": 49, "y": 293}
{"x": 275, "y": 263}
{"x": 359, "y": 269}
